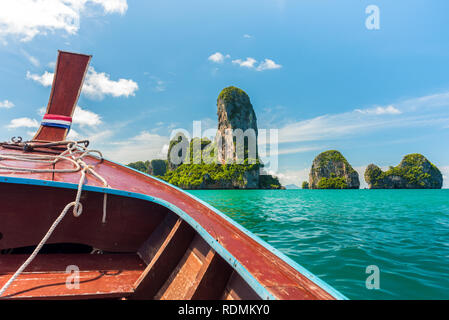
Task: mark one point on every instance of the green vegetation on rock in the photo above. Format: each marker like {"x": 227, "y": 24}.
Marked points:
{"x": 201, "y": 174}
{"x": 228, "y": 94}
{"x": 305, "y": 185}
{"x": 267, "y": 181}
{"x": 331, "y": 170}
{"x": 333, "y": 156}
{"x": 332, "y": 183}
{"x": 214, "y": 176}
{"x": 414, "y": 172}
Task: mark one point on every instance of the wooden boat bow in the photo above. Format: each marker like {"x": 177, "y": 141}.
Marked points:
{"x": 70, "y": 71}
{"x": 158, "y": 242}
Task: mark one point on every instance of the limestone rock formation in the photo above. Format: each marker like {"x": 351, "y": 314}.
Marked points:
{"x": 221, "y": 164}
{"x": 235, "y": 111}
{"x": 330, "y": 170}
{"x": 414, "y": 172}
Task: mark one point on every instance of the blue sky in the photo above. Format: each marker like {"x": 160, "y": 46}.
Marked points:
{"x": 311, "y": 68}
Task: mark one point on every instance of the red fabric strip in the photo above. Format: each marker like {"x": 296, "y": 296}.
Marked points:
{"x": 57, "y": 117}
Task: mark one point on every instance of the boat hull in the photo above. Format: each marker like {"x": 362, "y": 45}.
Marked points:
{"x": 138, "y": 206}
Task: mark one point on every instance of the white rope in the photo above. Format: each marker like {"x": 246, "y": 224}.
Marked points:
{"x": 72, "y": 149}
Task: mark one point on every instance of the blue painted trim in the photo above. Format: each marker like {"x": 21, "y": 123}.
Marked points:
{"x": 55, "y": 125}
{"x": 262, "y": 291}
{"x": 309, "y": 275}
{"x": 225, "y": 254}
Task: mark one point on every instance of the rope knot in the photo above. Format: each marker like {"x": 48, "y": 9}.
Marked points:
{"x": 77, "y": 209}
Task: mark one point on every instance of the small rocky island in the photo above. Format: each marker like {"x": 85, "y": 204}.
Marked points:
{"x": 330, "y": 170}
{"x": 414, "y": 172}
{"x": 209, "y": 165}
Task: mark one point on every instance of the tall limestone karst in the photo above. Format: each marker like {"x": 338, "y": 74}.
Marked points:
{"x": 330, "y": 170}
{"x": 235, "y": 112}
{"x": 233, "y": 151}
{"x": 414, "y": 172}
{"x": 237, "y": 132}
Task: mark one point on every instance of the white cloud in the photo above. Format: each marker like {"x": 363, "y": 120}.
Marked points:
{"x": 218, "y": 57}
{"x": 96, "y": 85}
{"x": 429, "y": 101}
{"x": 29, "y": 18}
{"x": 247, "y": 36}
{"x": 85, "y": 117}
{"x": 33, "y": 60}
{"x": 112, "y": 6}
{"x": 268, "y": 64}
{"x": 251, "y": 63}
{"x": 100, "y": 136}
{"x": 380, "y": 110}
{"x": 23, "y": 123}
{"x": 51, "y": 65}
{"x": 144, "y": 146}
{"x": 41, "y": 111}
{"x": 292, "y": 176}
{"x": 46, "y": 79}
{"x": 73, "y": 135}
{"x": 247, "y": 63}
{"x": 334, "y": 126}
{"x": 160, "y": 86}
{"x": 296, "y": 150}
{"x": 6, "y": 104}
{"x": 99, "y": 84}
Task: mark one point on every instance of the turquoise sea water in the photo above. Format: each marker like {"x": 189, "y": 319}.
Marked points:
{"x": 336, "y": 234}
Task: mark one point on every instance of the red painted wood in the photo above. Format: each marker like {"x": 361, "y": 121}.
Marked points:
{"x": 101, "y": 276}
{"x": 164, "y": 262}
{"x": 67, "y": 82}
{"x": 238, "y": 289}
{"x": 19, "y": 174}
{"x": 185, "y": 278}
{"x": 213, "y": 280}
{"x": 266, "y": 267}
{"x": 271, "y": 271}
{"x": 27, "y": 212}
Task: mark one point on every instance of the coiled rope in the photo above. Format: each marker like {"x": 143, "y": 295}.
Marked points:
{"x": 74, "y": 154}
